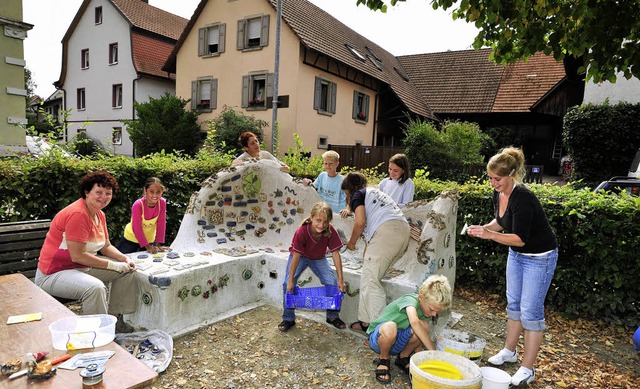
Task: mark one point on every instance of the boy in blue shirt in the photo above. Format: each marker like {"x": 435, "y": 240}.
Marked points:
{"x": 329, "y": 182}
{"x": 402, "y": 327}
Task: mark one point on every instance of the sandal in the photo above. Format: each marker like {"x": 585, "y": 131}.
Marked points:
{"x": 358, "y": 326}
{"x": 383, "y": 375}
{"x": 286, "y": 325}
{"x": 404, "y": 363}
{"x": 338, "y": 323}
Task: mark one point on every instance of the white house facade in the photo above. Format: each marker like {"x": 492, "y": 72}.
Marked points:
{"x": 107, "y": 65}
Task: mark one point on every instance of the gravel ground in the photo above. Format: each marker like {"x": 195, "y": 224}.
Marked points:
{"x": 248, "y": 351}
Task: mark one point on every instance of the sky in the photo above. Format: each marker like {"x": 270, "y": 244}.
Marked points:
{"x": 408, "y": 28}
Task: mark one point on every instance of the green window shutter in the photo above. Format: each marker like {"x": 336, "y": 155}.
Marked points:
{"x": 245, "y": 92}
{"x": 240, "y": 42}
{"x": 334, "y": 89}
{"x": 354, "y": 110}
{"x": 366, "y": 107}
{"x": 269, "y": 85}
{"x": 317, "y": 94}
{"x": 214, "y": 94}
{"x": 222, "y": 29}
{"x": 264, "y": 34}
{"x": 202, "y": 46}
{"x": 194, "y": 94}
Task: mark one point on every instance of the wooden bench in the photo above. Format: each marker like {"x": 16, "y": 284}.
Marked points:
{"x": 20, "y": 244}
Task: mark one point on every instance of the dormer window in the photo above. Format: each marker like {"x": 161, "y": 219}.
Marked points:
{"x": 356, "y": 53}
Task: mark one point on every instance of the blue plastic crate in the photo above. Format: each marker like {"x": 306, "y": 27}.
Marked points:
{"x": 315, "y": 297}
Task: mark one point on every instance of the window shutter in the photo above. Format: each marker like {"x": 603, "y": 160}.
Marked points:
{"x": 334, "y": 88}
{"x": 245, "y": 92}
{"x": 222, "y": 30}
{"x": 240, "y": 42}
{"x": 214, "y": 94}
{"x": 194, "y": 94}
{"x": 317, "y": 94}
{"x": 269, "y": 86}
{"x": 202, "y": 50}
{"x": 354, "y": 110}
{"x": 264, "y": 36}
{"x": 365, "y": 109}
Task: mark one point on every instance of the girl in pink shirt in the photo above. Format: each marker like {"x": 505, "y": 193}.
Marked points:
{"x": 148, "y": 223}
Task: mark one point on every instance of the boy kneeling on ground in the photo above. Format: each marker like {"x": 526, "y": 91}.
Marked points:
{"x": 402, "y": 328}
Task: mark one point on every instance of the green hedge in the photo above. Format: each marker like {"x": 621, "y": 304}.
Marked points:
{"x": 599, "y": 241}
{"x": 598, "y": 267}
{"x": 39, "y": 188}
{"x": 602, "y": 140}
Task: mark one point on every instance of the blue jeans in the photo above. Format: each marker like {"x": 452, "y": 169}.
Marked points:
{"x": 528, "y": 280}
{"x": 322, "y": 270}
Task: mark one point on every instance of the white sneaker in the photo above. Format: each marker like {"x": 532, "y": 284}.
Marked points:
{"x": 523, "y": 376}
{"x": 505, "y": 355}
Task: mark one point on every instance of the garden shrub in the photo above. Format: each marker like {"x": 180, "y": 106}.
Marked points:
{"x": 602, "y": 140}
{"x": 224, "y": 130}
{"x": 452, "y": 152}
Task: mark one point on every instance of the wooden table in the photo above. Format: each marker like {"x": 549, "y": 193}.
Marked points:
{"x": 18, "y": 296}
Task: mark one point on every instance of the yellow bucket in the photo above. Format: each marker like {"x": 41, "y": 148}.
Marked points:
{"x": 420, "y": 379}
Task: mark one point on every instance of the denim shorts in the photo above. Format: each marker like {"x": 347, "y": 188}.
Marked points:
{"x": 402, "y": 339}
{"x": 528, "y": 280}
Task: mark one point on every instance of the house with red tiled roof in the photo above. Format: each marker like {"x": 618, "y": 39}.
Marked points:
{"x": 337, "y": 87}
{"x": 113, "y": 53}
{"x": 530, "y": 97}
{"x": 334, "y": 85}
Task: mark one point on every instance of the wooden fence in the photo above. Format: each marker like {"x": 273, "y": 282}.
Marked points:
{"x": 363, "y": 157}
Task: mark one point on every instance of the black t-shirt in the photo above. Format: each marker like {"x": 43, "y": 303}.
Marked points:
{"x": 525, "y": 217}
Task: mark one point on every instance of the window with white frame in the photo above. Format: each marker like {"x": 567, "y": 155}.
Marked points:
{"x": 253, "y": 33}
{"x": 116, "y": 135}
{"x": 116, "y": 96}
{"x": 113, "y": 53}
{"x": 84, "y": 59}
{"x": 80, "y": 99}
{"x": 324, "y": 97}
{"x": 98, "y": 15}
{"x": 257, "y": 87}
{"x": 211, "y": 39}
{"x": 360, "y": 107}
{"x": 204, "y": 94}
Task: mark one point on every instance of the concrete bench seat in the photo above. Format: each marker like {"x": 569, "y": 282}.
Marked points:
{"x": 232, "y": 249}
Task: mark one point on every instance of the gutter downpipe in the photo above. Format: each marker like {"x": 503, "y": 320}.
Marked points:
{"x": 276, "y": 76}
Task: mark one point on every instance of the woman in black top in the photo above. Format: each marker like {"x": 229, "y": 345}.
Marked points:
{"x": 520, "y": 223}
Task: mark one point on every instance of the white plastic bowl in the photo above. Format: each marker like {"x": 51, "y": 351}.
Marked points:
{"x": 78, "y": 332}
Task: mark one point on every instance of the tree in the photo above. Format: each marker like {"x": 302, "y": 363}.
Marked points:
{"x": 603, "y": 37}
{"x": 227, "y": 127}
{"x": 29, "y": 84}
{"x": 164, "y": 124}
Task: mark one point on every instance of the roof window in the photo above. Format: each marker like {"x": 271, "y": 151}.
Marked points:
{"x": 356, "y": 53}
{"x": 401, "y": 73}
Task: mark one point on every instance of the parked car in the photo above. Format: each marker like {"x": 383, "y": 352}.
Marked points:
{"x": 41, "y": 146}
{"x": 631, "y": 185}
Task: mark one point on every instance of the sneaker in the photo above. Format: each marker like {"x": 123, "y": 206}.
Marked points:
{"x": 505, "y": 355}
{"x": 523, "y": 376}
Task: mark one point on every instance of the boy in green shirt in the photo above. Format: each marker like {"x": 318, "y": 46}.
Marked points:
{"x": 402, "y": 327}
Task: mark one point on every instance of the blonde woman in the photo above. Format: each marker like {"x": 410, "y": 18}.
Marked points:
{"x": 521, "y": 224}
